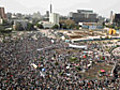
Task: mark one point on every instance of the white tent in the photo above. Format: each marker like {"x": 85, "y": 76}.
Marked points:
{"x": 77, "y": 46}
{"x": 52, "y": 41}
{"x": 34, "y": 65}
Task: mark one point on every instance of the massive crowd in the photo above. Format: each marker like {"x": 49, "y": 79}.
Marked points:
{"x": 24, "y": 65}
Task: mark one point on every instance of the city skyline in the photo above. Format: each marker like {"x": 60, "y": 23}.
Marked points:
{"x": 62, "y": 7}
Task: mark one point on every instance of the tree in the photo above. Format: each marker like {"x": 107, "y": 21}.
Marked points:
{"x": 5, "y": 23}
{"x": 40, "y": 26}
{"x": 103, "y": 24}
{"x": 64, "y": 26}
{"x": 110, "y": 26}
{"x": 19, "y": 27}
{"x": 55, "y": 26}
{"x": 67, "y": 24}
{"x": 1, "y": 28}
{"x": 117, "y": 21}
{"x": 30, "y": 27}
{"x": 77, "y": 27}
{"x": 35, "y": 20}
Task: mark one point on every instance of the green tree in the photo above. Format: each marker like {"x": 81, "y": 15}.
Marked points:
{"x": 55, "y": 26}
{"x": 1, "y": 27}
{"x": 30, "y": 27}
{"x": 40, "y": 26}
{"x": 64, "y": 27}
{"x": 103, "y": 23}
{"x": 5, "y": 23}
{"x": 19, "y": 27}
{"x": 77, "y": 27}
{"x": 67, "y": 24}
{"x": 110, "y": 26}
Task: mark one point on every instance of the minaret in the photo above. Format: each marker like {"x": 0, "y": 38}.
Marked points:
{"x": 50, "y": 8}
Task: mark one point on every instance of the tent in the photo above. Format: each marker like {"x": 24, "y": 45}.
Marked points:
{"x": 84, "y": 56}
{"x": 77, "y": 46}
{"x": 43, "y": 69}
{"x": 102, "y": 71}
{"x": 34, "y": 65}
{"x": 112, "y": 31}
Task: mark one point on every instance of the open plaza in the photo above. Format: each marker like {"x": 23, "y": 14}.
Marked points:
{"x": 33, "y": 61}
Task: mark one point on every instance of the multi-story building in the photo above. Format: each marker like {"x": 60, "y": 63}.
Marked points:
{"x": 2, "y": 13}
{"x": 9, "y": 15}
{"x": 54, "y": 18}
{"x": 47, "y": 14}
{"x": 117, "y": 19}
{"x": 84, "y": 16}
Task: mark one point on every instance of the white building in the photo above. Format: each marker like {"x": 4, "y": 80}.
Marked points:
{"x": 1, "y": 20}
{"x": 54, "y": 18}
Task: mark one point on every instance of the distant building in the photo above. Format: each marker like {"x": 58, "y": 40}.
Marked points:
{"x": 9, "y": 15}
{"x": 85, "y": 11}
{"x": 111, "y": 17}
{"x": 37, "y": 15}
{"x": 22, "y": 22}
{"x": 63, "y": 17}
{"x": 90, "y": 25}
{"x": 117, "y": 19}
{"x": 47, "y": 14}
{"x": 101, "y": 20}
{"x": 15, "y": 16}
{"x": 2, "y": 13}
{"x": 54, "y": 18}
{"x": 19, "y": 15}
{"x": 83, "y": 16}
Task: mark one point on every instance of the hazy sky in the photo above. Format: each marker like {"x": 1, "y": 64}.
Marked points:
{"x": 63, "y": 7}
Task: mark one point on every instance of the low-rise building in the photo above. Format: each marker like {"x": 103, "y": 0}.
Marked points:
{"x": 46, "y": 24}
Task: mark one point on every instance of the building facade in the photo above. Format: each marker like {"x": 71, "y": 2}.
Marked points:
{"x": 54, "y": 18}
{"x": 117, "y": 19}
{"x": 2, "y": 13}
{"x": 84, "y": 16}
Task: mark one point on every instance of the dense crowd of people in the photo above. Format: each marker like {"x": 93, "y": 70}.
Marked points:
{"x": 32, "y": 62}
